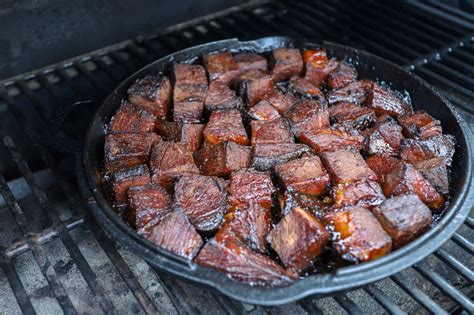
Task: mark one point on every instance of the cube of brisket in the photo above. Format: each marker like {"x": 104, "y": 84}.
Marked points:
{"x": 176, "y": 234}
{"x": 147, "y": 203}
{"x": 282, "y": 102}
{"x": 263, "y": 110}
{"x": 249, "y": 61}
{"x": 404, "y": 218}
{"x": 443, "y": 146}
{"x": 225, "y": 126}
{"x": 435, "y": 172}
{"x": 308, "y": 116}
{"x": 131, "y": 119}
{"x": 186, "y": 74}
{"x": 344, "y": 74}
{"x": 346, "y": 166}
{"x": 384, "y": 138}
{"x": 304, "y": 88}
{"x": 420, "y": 125}
{"x": 271, "y": 131}
{"x": 290, "y": 199}
{"x": 286, "y": 62}
{"x": 385, "y": 101}
{"x": 202, "y": 199}
{"x": 331, "y": 139}
{"x": 170, "y": 160}
{"x": 405, "y": 179}
{"x": 220, "y": 96}
{"x": 268, "y": 155}
{"x": 355, "y": 92}
{"x": 192, "y": 135}
{"x": 124, "y": 179}
{"x": 359, "y": 237}
{"x": 221, "y": 67}
{"x": 126, "y": 150}
{"x": 237, "y": 261}
{"x": 253, "y": 85}
{"x": 382, "y": 165}
{"x": 222, "y": 159}
{"x": 305, "y": 175}
{"x": 152, "y": 93}
{"x": 248, "y": 185}
{"x": 317, "y": 66}
{"x": 363, "y": 193}
{"x": 188, "y": 101}
{"x": 352, "y": 115}
{"x": 298, "y": 239}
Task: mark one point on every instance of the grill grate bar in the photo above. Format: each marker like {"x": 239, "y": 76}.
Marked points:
{"x": 310, "y": 306}
{"x": 470, "y": 222}
{"x": 455, "y": 264}
{"x": 383, "y": 299}
{"x": 347, "y": 304}
{"x": 463, "y": 242}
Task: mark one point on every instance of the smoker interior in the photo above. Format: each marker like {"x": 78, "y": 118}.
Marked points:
{"x": 55, "y": 257}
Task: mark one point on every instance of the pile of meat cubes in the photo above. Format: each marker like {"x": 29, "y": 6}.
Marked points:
{"x": 257, "y": 165}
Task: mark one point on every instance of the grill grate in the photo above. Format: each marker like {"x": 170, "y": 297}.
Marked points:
{"x": 54, "y": 257}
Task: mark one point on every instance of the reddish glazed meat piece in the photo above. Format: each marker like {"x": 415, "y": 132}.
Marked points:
{"x": 221, "y": 67}
{"x": 192, "y": 135}
{"x": 317, "y": 66}
{"x": 225, "y": 126}
{"x": 124, "y": 179}
{"x": 298, "y": 239}
{"x": 406, "y": 179}
{"x": 384, "y": 138}
{"x": 332, "y": 139}
{"x": 304, "y": 88}
{"x": 263, "y": 110}
{"x": 220, "y": 96}
{"x": 352, "y": 115}
{"x": 420, "y": 125}
{"x": 248, "y": 185}
{"x": 280, "y": 101}
{"x": 186, "y": 74}
{"x": 147, "y": 203}
{"x": 170, "y": 160}
{"x": 202, "y": 199}
{"x": 176, "y": 234}
{"x": 308, "y": 117}
{"x": 271, "y": 131}
{"x": 342, "y": 76}
{"x": 168, "y": 130}
{"x": 253, "y": 85}
{"x": 286, "y": 62}
{"x": 226, "y": 254}
{"x": 131, "y": 119}
{"x": 439, "y": 146}
{"x": 126, "y": 150}
{"x": 306, "y": 176}
{"x": 382, "y": 165}
{"x": 346, "y": 166}
{"x": 364, "y": 193}
{"x": 222, "y": 159}
{"x": 355, "y": 92}
{"x": 435, "y": 172}
{"x": 268, "y": 155}
{"x": 289, "y": 200}
{"x": 385, "y": 101}
{"x": 250, "y": 61}
{"x": 152, "y": 93}
{"x": 404, "y": 218}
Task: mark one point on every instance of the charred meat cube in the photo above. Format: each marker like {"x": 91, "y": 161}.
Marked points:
{"x": 286, "y": 62}
{"x": 305, "y": 175}
{"x": 131, "y": 119}
{"x": 186, "y": 74}
{"x": 192, "y": 135}
{"x": 188, "y": 101}
{"x": 317, "y": 66}
{"x": 359, "y": 236}
{"x": 225, "y": 126}
{"x": 248, "y": 185}
{"x": 331, "y": 139}
{"x": 308, "y": 116}
{"x": 406, "y": 179}
{"x": 253, "y": 85}
{"x": 280, "y": 101}
{"x": 170, "y": 160}
{"x": 126, "y": 150}
{"x": 355, "y": 92}
{"x": 149, "y": 203}
{"x": 382, "y": 165}
{"x": 352, "y": 115}
{"x": 346, "y": 166}
{"x": 124, "y": 179}
{"x": 420, "y": 125}
{"x": 385, "y": 101}
{"x": 289, "y": 200}
{"x": 404, "y": 218}
{"x": 152, "y": 93}
{"x": 364, "y": 193}
{"x": 384, "y": 138}
{"x": 271, "y": 131}
{"x": 303, "y": 88}
{"x": 344, "y": 74}
{"x": 263, "y": 110}
{"x": 251, "y": 61}
{"x": 220, "y": 96}
{"x": 435, "y": 172}
{"x": 168, "y": 130}
{"x": 237, "y": 261}
{"x": 176, "y": 234}
{"x": 443, "y": 146}
{"x": 222, "y": 159}
{"x": 202, "y": 199}
{"x": 268, "y": 155}
{"x": 221, "y": 67}
{"x": 298, "y": 239}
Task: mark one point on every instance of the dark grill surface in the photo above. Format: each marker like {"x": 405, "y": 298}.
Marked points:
{"x": 54, "y": 257}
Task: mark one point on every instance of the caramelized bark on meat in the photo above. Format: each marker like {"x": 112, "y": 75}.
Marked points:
{"x": 298, "y": 239}
{"x": 221, "y": 67}
{"x": 152, "y": 93}
{"x": 220, "y": 96}
{"x": 346, "y": 166}
{"x": 435, "y": 172}
{"x": 170, "y": 160}
{"x": 228, "y": 255}
{"x": 168, "y": 130}
{"x": 404, "y": 218}
{"x": 271, "y": 131}
{"x": 364, "y": 193}
{"x": 249, "y": 61}
{"x": 289, "y": 199}
{"x": 253, "y": 85}
{"x": 131, "y": 119}
{"x": 344, "y": 74}
{"x": 355, "y": 92}
{"x": 305, "y": 175}
{"x": 248, "y": 185}
{"x": 382, "y": 165}
{"x": 385, "y": 101}
{"x": 317, "y": 66}
{"x": 263, "y": 110}
{"x": 147, "y": 203}
{"x": 332, "y": 139}
{"x": 222, "y": 159}
{"x": 124, "y": 179}
{"x": 307, "y": 117}
{"x": 420, "y": 125}
{"x": 304, "y": 88}
{"x": 192, "y": 135}
{"x": 384, "y": 138}
{"x": 406, "y": 179}
{"x": 280, "y": 101}
{"x": 176, "y": 234}
{"x": 352, "y": 115}
{"x": 443, "y": 146}
{"x": 185, "y": 74}
{"x": 202, "y": 199}
{"x": 225, "y": 126}
{"x": 359, "y": 236}
{"x": 268, "y": 155}
{"x": 286, "y": 62}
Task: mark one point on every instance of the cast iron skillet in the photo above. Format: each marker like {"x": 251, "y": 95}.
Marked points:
{"x": 368, "y": 66}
